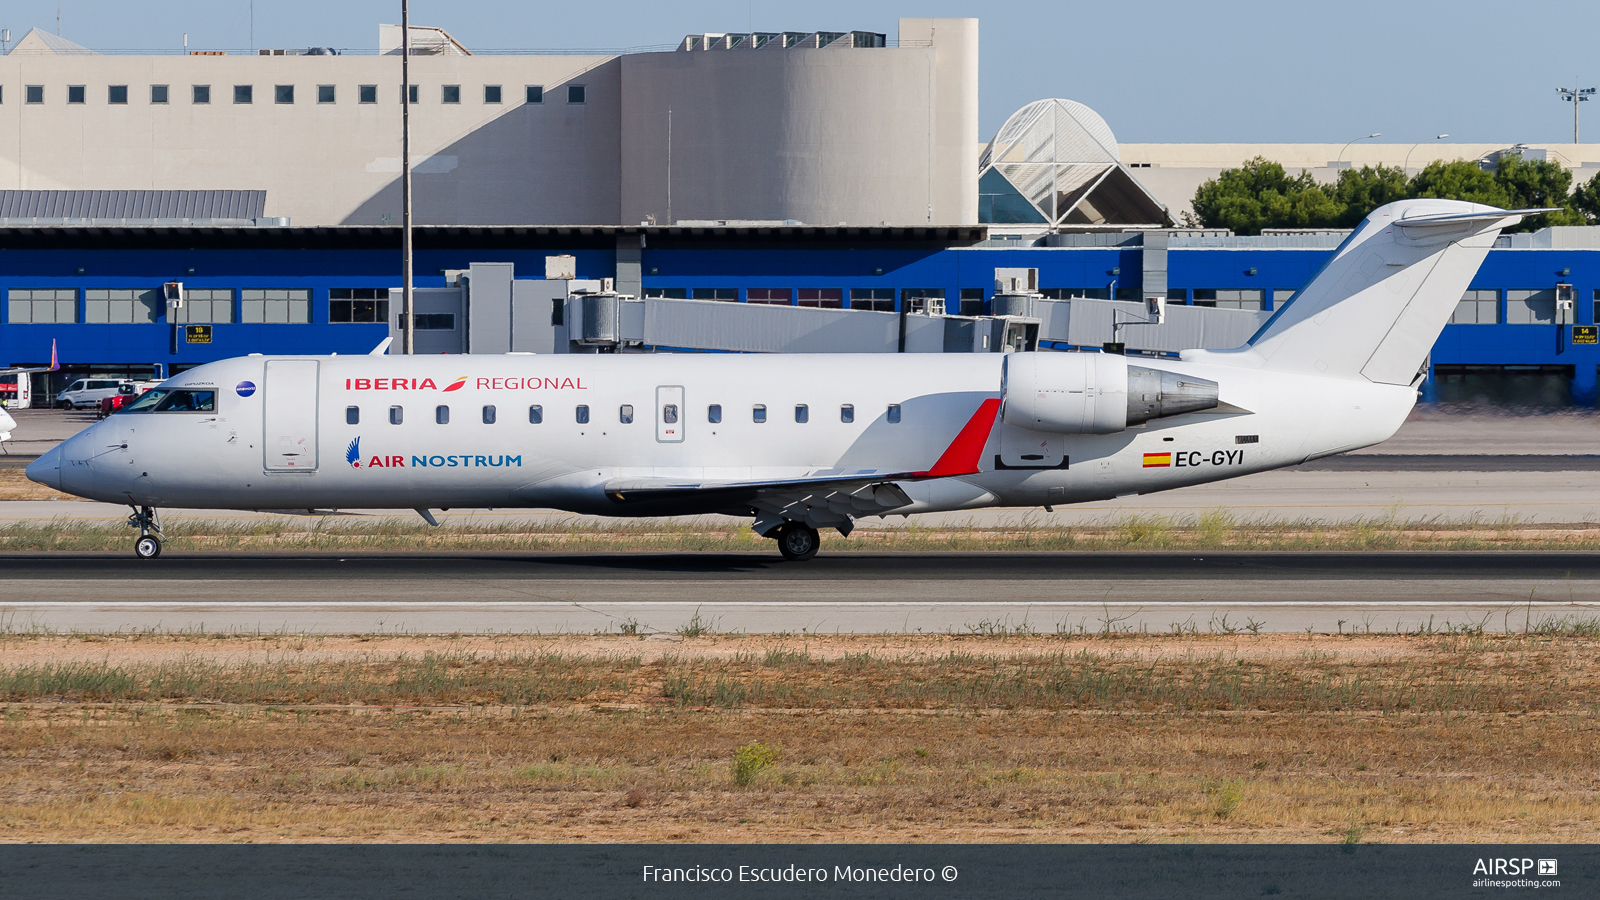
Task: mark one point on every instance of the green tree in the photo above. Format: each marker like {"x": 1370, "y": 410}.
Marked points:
{"x": 1586, "y": 200}
{"x": 1360, "y": 191}
{"x": 1260, "y": 194}
{"x": 1537, "y": 183}
{"x": 1460, "y": 180}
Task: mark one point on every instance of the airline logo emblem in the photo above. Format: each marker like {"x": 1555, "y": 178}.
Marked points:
{"x": 456, "y": 385}
{"x": 352, "y": 453}
{"x": 1157, "y": 460}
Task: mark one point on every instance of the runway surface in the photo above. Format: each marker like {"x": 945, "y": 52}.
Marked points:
{"x": 855, "y": 593}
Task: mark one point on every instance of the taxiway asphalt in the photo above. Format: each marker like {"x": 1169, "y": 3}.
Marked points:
{"x": 758, "y": 593}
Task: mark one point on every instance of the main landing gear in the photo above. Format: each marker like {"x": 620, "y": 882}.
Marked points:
{"x": 797, "y": 541}
{"x": 145, "y": 518}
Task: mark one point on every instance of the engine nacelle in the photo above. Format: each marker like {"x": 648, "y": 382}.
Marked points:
{"x": 1094, "y": 393}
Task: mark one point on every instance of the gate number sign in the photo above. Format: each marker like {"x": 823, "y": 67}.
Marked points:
{"x": 201, "y": 334}
{"x": 1586, "y": 334}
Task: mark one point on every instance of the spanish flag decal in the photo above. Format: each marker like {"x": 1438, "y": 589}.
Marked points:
{"x": 1157, "y": 460}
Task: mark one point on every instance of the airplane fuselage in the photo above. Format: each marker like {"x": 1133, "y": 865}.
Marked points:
{"x": 551, "y": 431}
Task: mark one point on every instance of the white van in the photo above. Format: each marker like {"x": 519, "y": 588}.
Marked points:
{"x": 86, "y": 393}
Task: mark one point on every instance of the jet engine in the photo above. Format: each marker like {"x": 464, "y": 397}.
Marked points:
{"x": 1094, "y": 393}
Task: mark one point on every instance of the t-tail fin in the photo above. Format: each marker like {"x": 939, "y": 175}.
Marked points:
{"x": 1376, "y": 307}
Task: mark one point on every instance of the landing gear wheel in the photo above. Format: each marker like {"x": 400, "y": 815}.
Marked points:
{"x": 147, "y": 547}
{"x": 798, "y": 542}
{"x": 145, "y": 518}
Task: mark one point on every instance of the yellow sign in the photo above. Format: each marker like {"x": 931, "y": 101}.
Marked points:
{"x": 1586, "y": 334}
{"x": 197, "y": 334}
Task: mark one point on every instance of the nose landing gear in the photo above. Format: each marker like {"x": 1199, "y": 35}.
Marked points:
{"x": 148, "y": 521}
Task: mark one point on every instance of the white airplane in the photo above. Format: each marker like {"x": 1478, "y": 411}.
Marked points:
{"x": 8, "y": 424}
{"x": 799, "y": 442}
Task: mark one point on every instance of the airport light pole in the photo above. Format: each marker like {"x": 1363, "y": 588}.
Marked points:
{"x": 1407, "y": 164}
{"x": 1353, "y": 140}
{"x": 1575, "y": 95}
{"x": 407, "y": 319}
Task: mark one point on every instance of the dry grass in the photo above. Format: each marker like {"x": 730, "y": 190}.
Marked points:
{"x": 1215, "y": 530}
{"x": 1270, "y": 738}
{"x": 14, "y": 485}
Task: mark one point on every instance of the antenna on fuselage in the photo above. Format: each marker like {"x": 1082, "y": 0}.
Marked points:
{"x": 383, "y": 347}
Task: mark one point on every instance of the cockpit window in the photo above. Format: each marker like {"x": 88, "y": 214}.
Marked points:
{"x": 189, "y": 401}
{"x": 147, "y": 402}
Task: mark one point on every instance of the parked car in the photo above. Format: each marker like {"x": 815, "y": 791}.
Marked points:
{"x": 86, "y": 393}
{"x": 127, "y": 392}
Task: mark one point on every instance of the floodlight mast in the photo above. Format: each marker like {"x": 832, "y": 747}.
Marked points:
{"x": 1576, "y": 95}
{"x": 406, "y": 318}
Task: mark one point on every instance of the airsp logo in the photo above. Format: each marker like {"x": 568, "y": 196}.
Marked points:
{"x": 1500, "y": 866}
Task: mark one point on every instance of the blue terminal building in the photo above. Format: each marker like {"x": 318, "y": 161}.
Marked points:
{"x": 97, "y": 292}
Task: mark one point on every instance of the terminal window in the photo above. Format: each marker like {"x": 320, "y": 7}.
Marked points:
{"x": 972, "y": 301}
{"x": 358, "y": 305}
{"x": 325, "y": 93}
{"x": 367, "y": 93}
{"x": 117, "y": 94}
{"x": 823, "y": 298}
{"x": 1280, "y": 297}
{"x": 1224, "y": 299}
{"x": 121, "y": 307}
{"x": 34, "y": 93}
{"x": 716, "y": 293}
{"x": 1531, "y": 307}
{"x": 774, "y": 296}
{"x": 535, "y": 93}
{"x": 204, "y": 306}
{"x": 414, "y": 90}
{"x": 667, "y": 293}
{"x": 574, "y": 93}
{"x": 202, "y": 93}
{"x": 922, "y": 300}
{"x": 875, "y": 299}
{"x": 491, "y": 93}
{"x": 75, "y": 93}
{"x": 1477, "y": 308}
{"x": 244, "y": 93}
{"x": 450, "y": 93}
{"x": 275, "y": 306}
{"x": 158, "y": 93}
{"x": 435, "y": 321}
{"x": 1596, "y": 306}
{"x": 42, "y": 307}
{"x": 283, "y": 93}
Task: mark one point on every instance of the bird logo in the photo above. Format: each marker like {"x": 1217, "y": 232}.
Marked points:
{"x": 352, "y": 453}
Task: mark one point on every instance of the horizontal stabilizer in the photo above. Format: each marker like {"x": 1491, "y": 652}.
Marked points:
{"x": 1458, "y": 219}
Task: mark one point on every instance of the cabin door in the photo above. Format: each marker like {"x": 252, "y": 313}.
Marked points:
{"x": 289, "y": 417}
{"x": 669, "y": 414}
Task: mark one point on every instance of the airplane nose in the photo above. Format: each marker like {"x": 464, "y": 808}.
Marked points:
{"x": 46, "y": 470}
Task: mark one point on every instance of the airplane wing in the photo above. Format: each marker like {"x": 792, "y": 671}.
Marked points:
{"x": 54, "y": 365}
{"x": 828, "y": 497}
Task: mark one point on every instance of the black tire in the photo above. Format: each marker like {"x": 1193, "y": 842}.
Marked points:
{"x": 798, "y": 542}
{"x": 147, "y": 547}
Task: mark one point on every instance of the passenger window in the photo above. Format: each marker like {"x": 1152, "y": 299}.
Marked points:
{"x": 847, "y": 413}
{"x": 396, "y": 415}
{"x": 894, "y": 414}
{"x": 714, "y": 413}
{"x": 583, "y": 415}
{"x": 535, "y": 414}
{"x": 352, "y": 415}
{"x": 441, "y": 415}
{"x": 189, "y": 401}
{"x": 626, "y": 414}
{"x": 759, "y": 412}
{"x": 669, "y": 414}
{"x": 802, "y": 413}
{"x": 488, "y": 415}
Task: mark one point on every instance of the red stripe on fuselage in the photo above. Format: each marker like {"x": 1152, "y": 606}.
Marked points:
{"x": 961, "y": 457}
